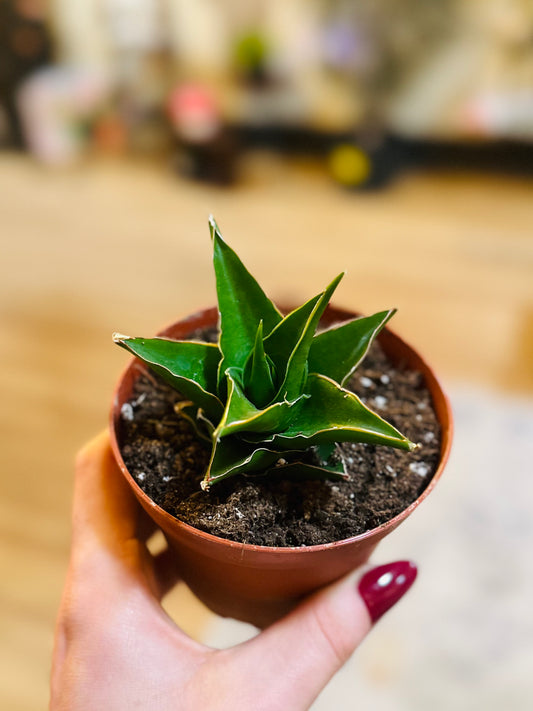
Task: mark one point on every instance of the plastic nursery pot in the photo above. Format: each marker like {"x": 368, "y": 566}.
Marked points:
{"x": 259, "y": 584}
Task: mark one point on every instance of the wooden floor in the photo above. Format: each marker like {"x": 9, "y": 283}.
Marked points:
{"x": 125, "y": 247}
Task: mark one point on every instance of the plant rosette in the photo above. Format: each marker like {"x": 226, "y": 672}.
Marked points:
{"x": 268, "y": 399}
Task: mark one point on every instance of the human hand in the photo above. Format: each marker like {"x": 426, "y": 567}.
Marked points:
{"x": 116, "y": 648}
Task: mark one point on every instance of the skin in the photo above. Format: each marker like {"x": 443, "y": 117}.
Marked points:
{"x": 117, "y": 649}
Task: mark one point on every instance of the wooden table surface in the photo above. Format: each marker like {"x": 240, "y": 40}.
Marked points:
{"x": 124, "y": 246}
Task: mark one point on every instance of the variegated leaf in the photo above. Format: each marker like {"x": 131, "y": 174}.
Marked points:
{"x": 300, "y": 471}
{"x": 296, "y": 374}
{"x": 257, "y": 373}
{"x": 188, "y": 366}
{"x": 282, "y": 340}
{"x": 323, "y": 465}
{"x": 333, "y": 414}
{"x": 242, "y": 304}
{"x": 189, "y": 411}
{"x": 338, "y": 351}
{"x": 231, "y": 456}
{"x": 241, "y": 415}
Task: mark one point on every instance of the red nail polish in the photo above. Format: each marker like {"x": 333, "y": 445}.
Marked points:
{"x": 383, "y": 586}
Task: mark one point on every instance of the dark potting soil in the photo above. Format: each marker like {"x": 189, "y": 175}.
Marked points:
{"x": 168, "y": 461}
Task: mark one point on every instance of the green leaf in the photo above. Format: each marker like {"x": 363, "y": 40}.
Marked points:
{"x": 333, "y": 414}
{"x": 318, "y": 462}
{"x": 242, "y": 304}
{"x": 296, "y": 374}
{"x": 271, "y": 387}
{"x": 231, "y": 456}
{"x": 188, "y": 366}
{"x": 300, "y": 471}
{"x": 257, "y": 374}
{"x": 240, "y": 415}
{"x": 338, "y": 351}
{"x": 325, "y": 456}
{"x": 189, "y": 411}
{"x": 205, "y": 422}
{"x": 282, "y": 341}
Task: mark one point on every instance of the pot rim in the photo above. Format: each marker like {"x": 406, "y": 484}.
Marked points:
{"x": 340, "y": 314}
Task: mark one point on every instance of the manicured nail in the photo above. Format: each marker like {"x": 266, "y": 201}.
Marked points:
{"x": 382, "y": 587}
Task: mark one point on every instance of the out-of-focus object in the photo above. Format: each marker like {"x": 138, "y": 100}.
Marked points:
{"x": 250, "y": 57}
{"x": 110, "y": 135}
{"x": 394, "y": 82}
{"x": 194, "y": 113}
{"x": 128, "y": 41}
{"x": 314, "y": 78}
{"x": 135, "y": 25}
{"x": 25, "y": 46}
{"x": 445, "y": 83}
{"x": 56, "y": 106}
{"x": 138, "y": 44}
{"x": 350, "y": 165}
{"x": 205, "y": 148}
{"x": 478, "y": 84}
{"x": 506, "y": 112}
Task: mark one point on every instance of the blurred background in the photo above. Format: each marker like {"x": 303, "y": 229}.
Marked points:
{"x": 390, "y": 138}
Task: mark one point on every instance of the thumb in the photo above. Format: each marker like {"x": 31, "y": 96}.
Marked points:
{"x": 298, "y": 655}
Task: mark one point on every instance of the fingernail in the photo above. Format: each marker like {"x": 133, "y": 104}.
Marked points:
{"x": 382, "y": 587}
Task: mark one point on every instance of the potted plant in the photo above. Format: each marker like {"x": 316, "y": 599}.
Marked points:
{"x": 261, "y": 397}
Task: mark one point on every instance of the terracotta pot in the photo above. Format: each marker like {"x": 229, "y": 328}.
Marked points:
{"x": 258, "y": 584}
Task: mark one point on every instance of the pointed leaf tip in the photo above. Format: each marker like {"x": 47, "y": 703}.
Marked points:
{"x": 188, "y": 366}
{"x": 333, "y": 414}
{"x": 120, "y": 338}
{"x": 338, "y": 351}
{"x": 242, "y": 303}
{"x": 213, "y": 227}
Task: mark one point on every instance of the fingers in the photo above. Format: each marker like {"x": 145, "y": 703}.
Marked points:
{"x": 107, "y": 519}
{"x": 105, "y": 522}
{"x": 105, "y": 511}
{"x": 297, "y": 656}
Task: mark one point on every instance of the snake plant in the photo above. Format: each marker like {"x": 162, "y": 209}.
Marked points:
{"x": 270, "y": 396}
